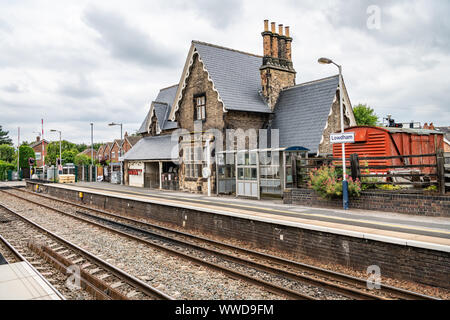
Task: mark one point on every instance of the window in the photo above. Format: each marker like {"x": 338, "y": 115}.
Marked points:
{"x": 112, "y": 154}
{"x": 200, "y": 107}
{"x": 193, "y": 161}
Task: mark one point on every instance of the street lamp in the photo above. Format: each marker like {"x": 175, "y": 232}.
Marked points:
{"x": 341, "y": 92}
{"x": 60, "y": 157}
{"x": 120, "y": 148}
{"x": 92, "y": 144}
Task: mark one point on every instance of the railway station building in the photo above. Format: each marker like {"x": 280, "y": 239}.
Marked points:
{"x": 192, "y": 130}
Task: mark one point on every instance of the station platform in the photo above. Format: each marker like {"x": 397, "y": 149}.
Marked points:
{"x": 18, "y": 281}
{"x": 11, "y": 184}
{"x": 416, "y": 231}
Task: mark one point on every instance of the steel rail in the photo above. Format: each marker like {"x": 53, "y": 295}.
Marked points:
{"x": 230, "y": 272}
{"x": 336, "y": 276}
{"x": 13, "y": 250}
{"x": 22, "y": 259}
{"x": 128, "y": 278}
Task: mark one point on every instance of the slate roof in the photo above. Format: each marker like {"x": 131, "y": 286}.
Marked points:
{"x": 36, "y": 143}
{"x": 133, "y": 139}
{"x": 235, "y": 75}
{"x": 88, "y": 152}
{"x": 302, "y": 112}
{"x": 166, "y": 97}
{"x": 154, "y": 148}
{"x": 162, "y": 112}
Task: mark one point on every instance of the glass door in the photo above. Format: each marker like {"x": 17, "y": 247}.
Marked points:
{"x": 247, "y": 174}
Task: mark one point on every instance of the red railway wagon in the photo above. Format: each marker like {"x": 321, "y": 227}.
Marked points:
{"x": 390, "y": 141}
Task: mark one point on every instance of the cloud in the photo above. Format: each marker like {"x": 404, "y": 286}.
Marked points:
{"x": 219, "y": 13}
{"x": 13, "y": 88}
{"x": 5, "y": 27}
{"x": 73, "y": 65}
{"x": 413, "y": 23}
{"x": 81, "y": 89}
{"x": 126, "y": 42}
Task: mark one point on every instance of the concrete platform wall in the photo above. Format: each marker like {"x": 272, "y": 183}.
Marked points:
{"x": 398, "y": 261}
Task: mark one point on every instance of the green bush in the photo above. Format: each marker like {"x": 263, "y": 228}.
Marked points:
{"x": 25, "y": 153}
{"x": 4, "y": 167}
{"x": 327, "y": 183}
{"x": 82, "y": 160}
{"x": 431, "y": 188}
{"x": 6, "y": 153}
{"x": 389, "y": 187}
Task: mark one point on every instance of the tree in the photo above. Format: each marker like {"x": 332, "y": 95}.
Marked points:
{"x": 82, "y": 160}
{"x": 6, "y": 153}
{"x": 53, "y": 150}
{"x": 81, "y": 147}
{"x": 69, "y": 156}
{"x": 25, "y": 153}
{"x": 97, "y": 145}
{"x": 4, "y": 139}
{"x": 365, "y": 115}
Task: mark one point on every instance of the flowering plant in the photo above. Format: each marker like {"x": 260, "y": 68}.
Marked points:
{"x": 327, "y": 183}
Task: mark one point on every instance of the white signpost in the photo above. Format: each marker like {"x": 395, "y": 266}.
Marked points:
{"x": 346, "y": 137}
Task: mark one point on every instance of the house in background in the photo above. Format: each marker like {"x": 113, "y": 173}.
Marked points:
{"x": 88, "y": 153}
{"x": 225, "y": 89}
{"x": 37, "y": 147}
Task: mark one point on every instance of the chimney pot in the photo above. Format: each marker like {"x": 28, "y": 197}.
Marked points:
{"x": 38, "y": 138}
{"x": 272, "y": 26}
{"x": 280, "y": 29}
{"x": 266, "y": 25}
{"x": 286, "y": 31}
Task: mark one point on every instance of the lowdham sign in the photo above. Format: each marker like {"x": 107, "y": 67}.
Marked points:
{"x": 346, "y": 137}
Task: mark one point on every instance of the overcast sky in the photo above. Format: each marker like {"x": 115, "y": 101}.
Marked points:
{"x": 76, "y": 62}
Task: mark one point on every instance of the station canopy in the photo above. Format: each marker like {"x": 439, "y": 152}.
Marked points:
{"x": 154, "y": 148}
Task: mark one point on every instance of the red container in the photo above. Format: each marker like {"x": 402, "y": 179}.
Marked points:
{"x": 388, "y": 141}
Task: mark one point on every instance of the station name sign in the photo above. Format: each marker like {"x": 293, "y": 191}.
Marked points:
{"x": 346, "y": 137}
{"x": 135, "y": 172}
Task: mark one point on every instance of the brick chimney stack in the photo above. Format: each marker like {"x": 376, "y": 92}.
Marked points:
{"x": 277, "y": 71}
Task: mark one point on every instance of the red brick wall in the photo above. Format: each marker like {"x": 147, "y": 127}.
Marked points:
{"x": 427, "y": 205}
{"x": 38, "y": 148}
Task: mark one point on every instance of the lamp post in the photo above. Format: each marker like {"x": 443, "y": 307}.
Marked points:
{"x": 341, "y": 97}
{"x": 92, "y": 171}
{"x": 60, "y": 157}
{"x": 92, "y": 144}
{"x": 120, "y": 149}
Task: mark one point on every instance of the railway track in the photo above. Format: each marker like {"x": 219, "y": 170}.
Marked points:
{"x": 9, "y": 253}
{"x": 98, "y": 277}
{"x": 12, "y": 255}
{"x": 348, "y": 286}
{"x": 189, "y": 256}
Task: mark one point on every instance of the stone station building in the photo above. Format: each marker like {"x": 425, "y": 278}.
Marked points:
{"x": 225, "y": 93}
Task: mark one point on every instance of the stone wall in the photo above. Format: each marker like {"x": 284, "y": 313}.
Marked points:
{"x": 333, "y": 125}
{"x": 427, "y": 205}
{"x": 274, "y": 80}
{"x": 196, "y": 84}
